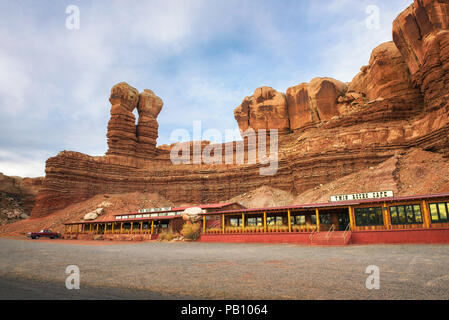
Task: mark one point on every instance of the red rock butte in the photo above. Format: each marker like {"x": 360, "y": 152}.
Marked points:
{"x": 329, "y": 129}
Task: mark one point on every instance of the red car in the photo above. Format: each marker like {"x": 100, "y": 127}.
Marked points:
{"x": 43, "y": 234}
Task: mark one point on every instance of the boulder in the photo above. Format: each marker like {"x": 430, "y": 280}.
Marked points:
{"x": 94, "y": 214}
{"x": 192, "y": 214}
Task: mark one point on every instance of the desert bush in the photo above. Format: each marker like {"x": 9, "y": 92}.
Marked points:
{"x": 164, "y": 236}
{"x": 191, "y": 231}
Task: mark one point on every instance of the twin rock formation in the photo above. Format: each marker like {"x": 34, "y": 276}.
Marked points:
{"x": 124, "y": 137}
{"x": 330, "y": 129}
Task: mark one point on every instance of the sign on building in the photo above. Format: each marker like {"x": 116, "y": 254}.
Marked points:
{"x": 154, "y": 210}
{"x": 362, "y": 196}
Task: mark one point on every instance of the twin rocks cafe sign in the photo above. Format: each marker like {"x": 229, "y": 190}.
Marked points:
{"x": 362, "y": 196}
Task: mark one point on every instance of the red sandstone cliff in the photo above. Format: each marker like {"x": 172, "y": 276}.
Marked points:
{"x": 328, "y": 129}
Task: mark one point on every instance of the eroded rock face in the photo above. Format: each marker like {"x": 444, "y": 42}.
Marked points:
{"x": 314, "y": 102}
{"x": 386, "y": 76}
{"x": 422, "y": 36}
{"x": 149, "y": 107}
{"x": 265, "y": 109}
{"x": 122, "y": 125}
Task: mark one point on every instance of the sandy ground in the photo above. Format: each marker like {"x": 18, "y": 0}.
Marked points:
{"x": 226, "y": 271}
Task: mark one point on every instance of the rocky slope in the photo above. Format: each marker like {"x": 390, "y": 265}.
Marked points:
{"x": 328, "y": 129}
{"x": 17, "y": 197}
{"x": 112, "y": 204}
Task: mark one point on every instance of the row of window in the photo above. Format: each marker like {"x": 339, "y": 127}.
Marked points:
{"x": 271, "y": 221}
{"x": 147, "y": 215}
{"x": 408, "y": 214}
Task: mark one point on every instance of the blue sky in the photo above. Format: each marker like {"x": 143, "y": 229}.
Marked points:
{"x": 202, "y": 57}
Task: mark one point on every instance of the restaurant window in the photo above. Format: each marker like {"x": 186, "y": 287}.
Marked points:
{"x": 325, "y": 218}
{"x": 410, "y": 214}
{"x": 254, "y": 222}
{"x": 235, "y": 222}
{"x": 274, "y": 221}
{"x": 439, "y": 212}
{"x": 368, "y": 216}
{"x": 298, "y": 220}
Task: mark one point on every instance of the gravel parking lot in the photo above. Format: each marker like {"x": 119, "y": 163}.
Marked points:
{"x": 154, "y": 270}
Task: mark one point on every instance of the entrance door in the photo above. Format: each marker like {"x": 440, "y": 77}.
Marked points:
{"x": 343, "y": 221}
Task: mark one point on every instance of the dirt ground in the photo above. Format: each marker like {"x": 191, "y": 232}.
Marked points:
{"x": 231, "y": 271}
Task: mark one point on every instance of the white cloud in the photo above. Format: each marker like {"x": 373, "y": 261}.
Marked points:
{"x": 28, "y": 164}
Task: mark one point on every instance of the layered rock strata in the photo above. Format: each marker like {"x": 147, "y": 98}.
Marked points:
{"x": 328, "y": 129}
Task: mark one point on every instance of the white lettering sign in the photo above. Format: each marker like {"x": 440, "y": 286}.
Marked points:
{"x": 362, "y": 196}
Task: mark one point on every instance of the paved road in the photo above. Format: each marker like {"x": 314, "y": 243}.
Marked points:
{"x": 153, "y": 270}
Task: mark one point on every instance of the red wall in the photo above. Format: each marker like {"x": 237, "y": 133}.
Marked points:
{"x": 258, "y": 238}
{"x": 401, "y": 236}
{"x": 358, "y": 237}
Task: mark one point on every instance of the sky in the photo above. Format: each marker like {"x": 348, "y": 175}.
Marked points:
{"x": 202, "y": 57}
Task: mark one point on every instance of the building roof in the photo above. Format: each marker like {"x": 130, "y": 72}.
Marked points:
{"x": 272, "y": 209}
{"x": 201, "y": 206}
{"x": 208, "y": 206}
{"x": 335, "y": 204}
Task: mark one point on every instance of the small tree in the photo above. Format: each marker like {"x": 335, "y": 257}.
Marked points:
{"x": 191, "y": 231}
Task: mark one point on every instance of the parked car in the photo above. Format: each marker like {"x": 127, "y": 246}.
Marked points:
{"x": 43, "y": 234}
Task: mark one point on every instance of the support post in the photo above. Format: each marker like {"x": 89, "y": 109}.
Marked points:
{"x": 132, "y": 227}
{"x": 70, "y": 230}
{"x": 82, "y": 230}
{"x": 204, "y": 224}
{"x": 90, "y": 227}
{"x": 152, "y": 226}
{"x": 141, "y": 227}
{"x": 113, "y": 224}
{"x": 427, "y": 220}
{"x": 265, "y": 222}
{"x": 351, "y": 218}
{"x": 387, "y": 224}
{"x": 105, "y": 227}
{"x": 317, "y": 213}
{"x": 289, "y": 221}
{"x": 243, "y": 222}
{"x": 121, "y": 228}
{"x": 223, "y": 223}
{"x": 98, "y": 226}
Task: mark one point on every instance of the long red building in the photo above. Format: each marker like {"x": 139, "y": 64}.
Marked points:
{"x": 413, "y": 219}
